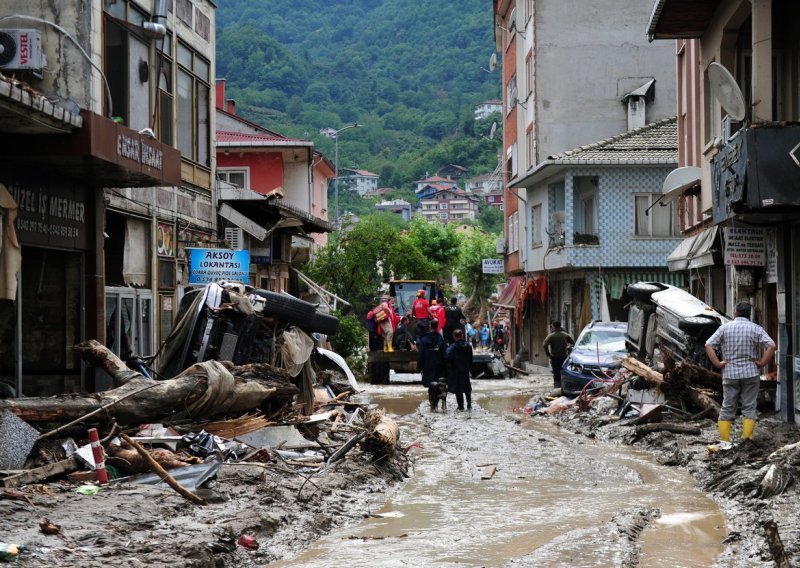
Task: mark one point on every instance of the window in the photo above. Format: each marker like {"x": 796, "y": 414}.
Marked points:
{"x": 193, "y": 105}
{"x": 443, "y": 206}
{"x": 658, "y": 221}
{"x": 125, "y": 57}
{"x": 442, "y": 215}
{"x": 536, "y": 225}
{"x": 239, "y": 178}
{"x": 513, "y": 228}
{"x": 589, "y": 215}
{"x": 529, "y": 156}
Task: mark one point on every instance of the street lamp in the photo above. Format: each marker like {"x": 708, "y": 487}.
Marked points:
{"x": 335, "y": 136}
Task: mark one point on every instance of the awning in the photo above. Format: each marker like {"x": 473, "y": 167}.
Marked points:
{"x": 508, "y": 297}
{"x": 696, "y": 251}
{"x": 616, "y": 282}
{"x": 232, "y": 215}
{"x": 101, "y": 153}
{"x": 676, "y": 19}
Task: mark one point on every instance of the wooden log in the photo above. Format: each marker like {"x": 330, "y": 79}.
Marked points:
{"x": 162, "y": 473}
{"x": 776, "y": 548}
{"x": 382, "y": 431}
{"x": 695, "y": 375}
{"x": 202, "y": 391}
{"x": 98, "y": 355}
{"x": 635, "y": 366}
{"x": 703, "y": 401}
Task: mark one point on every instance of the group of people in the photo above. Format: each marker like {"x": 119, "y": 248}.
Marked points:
{"x": 441, "y": 336}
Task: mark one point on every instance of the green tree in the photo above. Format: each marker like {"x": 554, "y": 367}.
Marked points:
{"x": 355, "y": 263}
{"x": 477, "y": 286}
{"x": 490, "y": 219}
{"x": 440, "y": 244}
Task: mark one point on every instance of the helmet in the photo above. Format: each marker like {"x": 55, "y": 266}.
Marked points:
{"x": 420, "y": 293}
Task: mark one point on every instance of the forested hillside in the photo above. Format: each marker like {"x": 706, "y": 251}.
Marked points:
{"x": 410, "y": 72}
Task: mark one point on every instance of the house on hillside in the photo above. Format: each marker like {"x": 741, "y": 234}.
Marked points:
{"x": 399, "y": 207}
{"x": 494, "y": 198}
{"x": 452, "y": 172}
{"x": 484, "y": 183}
{"x": 434, "y": 181}
{"x": 274, "y": 202}
{"x": 380, "y": 192}
{"x": 360, "y": 181}
{"x": 448, "y": 206}
{"x": 487, "y": 108}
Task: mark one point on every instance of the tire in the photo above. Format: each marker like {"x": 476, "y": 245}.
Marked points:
{"x": 287, "y": 308}
{"x": 699, "y": 327}
{"x": 642, "y": 290}
{"x": 378, "y": 373}
{"x": 323, "y": 323}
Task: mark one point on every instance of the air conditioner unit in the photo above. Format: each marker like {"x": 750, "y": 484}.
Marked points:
{"x": 730, "y": 127}
{"x": 234, "y": 236}
{"x": 21, "y": 50}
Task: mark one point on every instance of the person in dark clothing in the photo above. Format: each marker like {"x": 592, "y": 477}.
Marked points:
{"x": 430, "y": 362}
{"x": 402, "y": 340}
{"x": 556, "y": 347}
{"x": 459, "y": 359}
{"x": 453, "y": 316}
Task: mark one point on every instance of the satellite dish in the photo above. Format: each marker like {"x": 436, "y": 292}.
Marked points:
{"x": 492, "y": 130}
{"x": 493, "y": 62}
{"x": 726, "y": 91}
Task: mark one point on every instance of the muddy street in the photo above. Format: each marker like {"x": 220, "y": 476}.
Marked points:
{"x": 552, "y": 498}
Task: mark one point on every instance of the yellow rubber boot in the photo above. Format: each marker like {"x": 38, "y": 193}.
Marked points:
{"x": 724, "y": 430}
{"x": 748, "y": 427}
{"x": 389, "y": 348}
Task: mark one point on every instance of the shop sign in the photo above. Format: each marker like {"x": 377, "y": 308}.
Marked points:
{"x": 208, "y": 265}
{"x": 50, "y": 215}
{"x": 493, "y": 266}
{"x": 744, "y": 246}
{"x": 165, "y": 237}
{"x": 772, "y": 258}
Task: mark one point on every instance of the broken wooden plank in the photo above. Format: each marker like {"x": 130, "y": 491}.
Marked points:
{"x": 42, "y": 473}
{"x": 640, "y": 369}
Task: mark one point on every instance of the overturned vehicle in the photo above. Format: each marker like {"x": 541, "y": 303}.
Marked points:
{"x": 666, "y": 321}
{"x": 229, "y": 321}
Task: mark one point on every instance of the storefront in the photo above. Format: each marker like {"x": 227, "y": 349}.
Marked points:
{"x": 55, "y": 181}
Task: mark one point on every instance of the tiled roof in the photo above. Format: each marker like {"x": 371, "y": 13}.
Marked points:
{"x": 655, "y": 143}
{"x": 364, "y": 173}
{"x": 232, "y": 137}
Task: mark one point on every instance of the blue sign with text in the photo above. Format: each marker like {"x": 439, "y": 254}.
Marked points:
{"x": 211, "y": 265}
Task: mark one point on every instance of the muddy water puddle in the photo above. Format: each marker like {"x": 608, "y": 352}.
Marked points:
{"x": 552, "y": 498}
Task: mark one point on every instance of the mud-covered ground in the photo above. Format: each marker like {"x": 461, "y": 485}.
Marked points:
{"x": 755, "y": 488}
{"x": 282, "y": 509}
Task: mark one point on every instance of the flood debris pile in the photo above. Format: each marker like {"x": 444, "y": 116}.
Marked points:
{"x": 672, "y": 413}
{"x": 293, "y": 428}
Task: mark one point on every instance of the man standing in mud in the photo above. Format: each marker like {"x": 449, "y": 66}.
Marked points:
{"x": 739, "y": 341}
{"x": 430, "y": 361}
{"x": 556, "y": 346}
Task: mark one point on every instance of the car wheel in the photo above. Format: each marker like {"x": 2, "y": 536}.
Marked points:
{"x": 323, "y": 323}
{"x": 699, "y": 327}
{"x": 642, "y": 290}
{"x": 287, "y": 308}
{"x": 378, "y": 373}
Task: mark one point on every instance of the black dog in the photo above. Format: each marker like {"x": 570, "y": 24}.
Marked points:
{"x": 442, "y": 392}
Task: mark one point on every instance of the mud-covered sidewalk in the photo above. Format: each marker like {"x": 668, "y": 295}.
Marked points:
{"x": 281, "y": 509}
{"x": 754, "y": 483}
